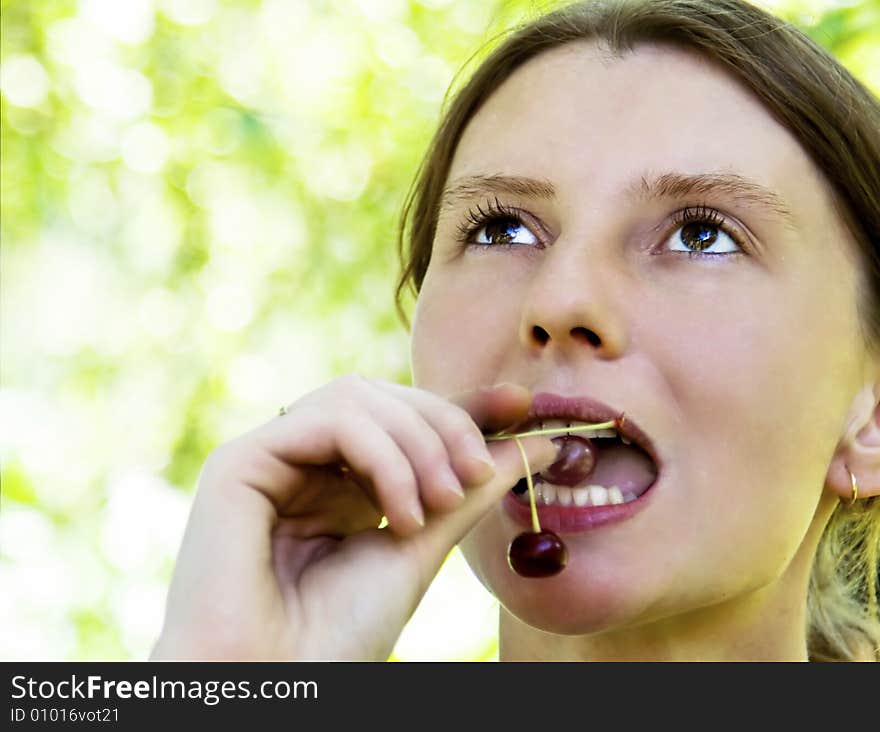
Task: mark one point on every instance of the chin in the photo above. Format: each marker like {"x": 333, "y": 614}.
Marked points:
{"x": 577, "y": 601}
{"x": 590, "y": 607}
{"x": 570, "y": 619}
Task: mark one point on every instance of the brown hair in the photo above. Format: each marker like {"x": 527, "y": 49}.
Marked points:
{"x": 836, "y": 120}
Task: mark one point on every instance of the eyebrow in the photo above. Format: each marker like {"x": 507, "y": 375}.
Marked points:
{"x": 665, "y": 185}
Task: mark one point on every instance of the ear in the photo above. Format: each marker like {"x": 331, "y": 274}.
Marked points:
{"x": 859, "y": 449}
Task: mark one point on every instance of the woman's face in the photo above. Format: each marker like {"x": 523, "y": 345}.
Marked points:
{"x": 741, "y": 365}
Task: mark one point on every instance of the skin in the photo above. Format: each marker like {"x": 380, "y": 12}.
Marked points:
{"x": 750, "y": 373}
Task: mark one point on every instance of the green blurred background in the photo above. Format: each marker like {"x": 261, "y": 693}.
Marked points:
{"x": 199, "y": 209}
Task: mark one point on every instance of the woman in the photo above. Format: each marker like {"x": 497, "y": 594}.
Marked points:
{"x": 663, "y": 212}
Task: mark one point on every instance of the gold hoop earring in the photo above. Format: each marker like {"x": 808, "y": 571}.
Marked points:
{"x": 855, "y": 488}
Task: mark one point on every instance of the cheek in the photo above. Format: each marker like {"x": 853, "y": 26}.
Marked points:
{"x": 461, "y": 332}
{"x": 437, "y": 347}
{"x": 750, "y": 378}
{"x": 749, "y": 370}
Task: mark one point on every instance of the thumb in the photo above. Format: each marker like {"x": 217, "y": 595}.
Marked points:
{"x": 443, "y": 531}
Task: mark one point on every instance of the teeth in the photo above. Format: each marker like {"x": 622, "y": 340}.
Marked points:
{"x": 564, "y": 497}
{"x": 625, "y": 441}
{"x": 598, "y": 495}
{"x": 548, "y": 494}
{"x": 581, "y": 496}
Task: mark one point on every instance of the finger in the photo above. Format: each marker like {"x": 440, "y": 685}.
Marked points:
{"x": 317, "y": 499}
{"x": 486, "y": 408}
{"x": 433, "y": 543}
{"x": 495, "y": 407}
{"x": 438, "y": 485}
{"x": 320, "y": 436}
{"x": 330, "y": 503}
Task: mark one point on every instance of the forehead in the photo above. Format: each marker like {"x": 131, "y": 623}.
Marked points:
{"x": 589, "y": 121}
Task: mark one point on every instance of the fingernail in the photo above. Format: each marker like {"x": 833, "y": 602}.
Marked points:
{"x": 449, "y": 481}
{"x": 416, "y": 512}
{"x": 476, "y": 448}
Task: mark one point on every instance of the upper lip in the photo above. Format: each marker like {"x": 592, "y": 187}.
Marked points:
{"x": 546, "y": 405}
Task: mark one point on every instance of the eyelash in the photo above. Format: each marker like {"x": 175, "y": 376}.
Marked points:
{"x": 476, "y": 219}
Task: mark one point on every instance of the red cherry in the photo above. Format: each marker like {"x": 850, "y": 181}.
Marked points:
{"x": 574, "y": 461}
{"x": 537, "y": 554}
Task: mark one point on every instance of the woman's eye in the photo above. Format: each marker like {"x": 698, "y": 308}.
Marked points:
{"x": 699, "y": 237}
{"x": 504, "y": 232}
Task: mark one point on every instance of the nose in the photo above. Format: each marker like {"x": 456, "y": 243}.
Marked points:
{"x": 572, "y": 306}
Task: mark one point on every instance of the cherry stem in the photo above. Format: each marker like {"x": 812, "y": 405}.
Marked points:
{"x": 536, "y": 526}
{"x": 557, "y": 431}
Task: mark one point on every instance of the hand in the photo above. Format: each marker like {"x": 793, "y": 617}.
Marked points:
{"x": 282, "y": 557}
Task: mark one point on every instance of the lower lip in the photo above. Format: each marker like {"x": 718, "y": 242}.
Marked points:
{"x": 573, "y": 519}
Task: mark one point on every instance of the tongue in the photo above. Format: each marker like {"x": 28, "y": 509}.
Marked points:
{"x": 628, "y": 467}
{"x": 583, "y": 462}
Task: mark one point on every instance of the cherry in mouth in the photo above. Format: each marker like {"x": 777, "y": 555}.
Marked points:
{"x": 575, "y": 461}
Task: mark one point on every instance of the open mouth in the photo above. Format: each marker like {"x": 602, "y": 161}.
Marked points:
{"x": 604, "y": 459}
{"x": 594, "y": 468}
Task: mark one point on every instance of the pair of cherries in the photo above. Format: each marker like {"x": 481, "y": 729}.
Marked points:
{"x": 541, "y": 553}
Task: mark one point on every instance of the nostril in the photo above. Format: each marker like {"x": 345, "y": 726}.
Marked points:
{"x": 541, "y": 335}
{"x": 591, "y": 337}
